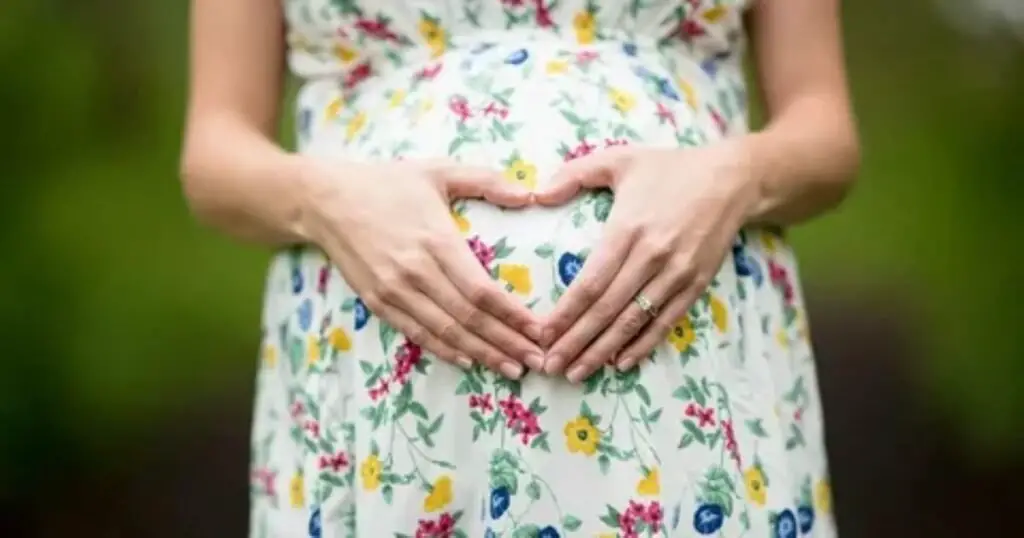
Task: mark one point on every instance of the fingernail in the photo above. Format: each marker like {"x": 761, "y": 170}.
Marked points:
{"x": 575, "y": 374}
{"x": 511, "y": 370}
{"x": 464, "y": 362}
{"x": 552, "y": 363}
{"x": 625, "y": 364}
{"x": 535, "y": 361}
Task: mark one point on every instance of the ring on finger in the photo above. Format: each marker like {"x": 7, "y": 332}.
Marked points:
{"x": 646, "y": 305}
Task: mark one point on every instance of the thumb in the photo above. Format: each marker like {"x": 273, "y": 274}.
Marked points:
{"x": 490, "y": 185}
{"x": 589, "y": 172}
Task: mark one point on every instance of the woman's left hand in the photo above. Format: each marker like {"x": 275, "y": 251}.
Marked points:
{"x": 675, "y": 215}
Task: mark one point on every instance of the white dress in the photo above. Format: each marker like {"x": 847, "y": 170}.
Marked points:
{"x": 359, "y": 433}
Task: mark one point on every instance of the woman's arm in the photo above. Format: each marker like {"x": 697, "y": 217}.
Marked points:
{"x": 806, "y": 158}
{"x": 236, "y": 178}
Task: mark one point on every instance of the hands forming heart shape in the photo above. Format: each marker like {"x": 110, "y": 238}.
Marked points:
{"x": 675, "y": 215}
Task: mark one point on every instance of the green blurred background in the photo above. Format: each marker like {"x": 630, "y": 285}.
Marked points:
{"x": 122, "y": 320}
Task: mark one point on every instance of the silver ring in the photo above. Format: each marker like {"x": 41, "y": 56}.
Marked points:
{"x": 646, "y": 305}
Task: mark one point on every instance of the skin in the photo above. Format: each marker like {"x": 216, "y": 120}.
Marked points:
{"x": 425, "y": 281}
{"x": 667, "y": 239}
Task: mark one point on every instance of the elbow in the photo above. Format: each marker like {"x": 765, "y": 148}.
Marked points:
{"x": 847, "y": 163}
{"x": 195, "y": 187}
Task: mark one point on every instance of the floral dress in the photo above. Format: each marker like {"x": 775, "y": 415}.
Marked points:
{"x": 359, "y": 433}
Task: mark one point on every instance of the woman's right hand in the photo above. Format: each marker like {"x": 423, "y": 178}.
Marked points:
{"x": 388, "y": 229}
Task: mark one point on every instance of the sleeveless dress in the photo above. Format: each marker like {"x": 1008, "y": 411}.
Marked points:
{"x": 359, "y": 433}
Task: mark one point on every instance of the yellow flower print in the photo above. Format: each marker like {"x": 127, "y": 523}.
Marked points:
{"x": 461, "y": 222}
{"x": 782, "y": 338}
{"x": 756, "y": 492}
{"x": 313, "y": 350}
{"x": 339, "y": 339}
{"x": 823, "y": 496}
{"x": 434, "y": 35}
{"x": 297, "y": 491}
{"x": 719, "y": 314}
{"x": 607, "y": 535}
{"x": 682, "y": 335}
{"x": 689, "y": 94}
{"x": 355, "y": 126}
{"x": 715, "y": 14}
{"x": 440, "y": 495}
{"x": 585, "y": 26}
{"x": 269, "y": 355}
{"x": 649, "y": 485}
{"x": 397, "y": 98}
{"x": 517, "y": 277}
{"x": 582, "y": 436}
{"x": 522, "y": 173}
{"x": 557, "y": 67}
{"x": 334, "y": 108}
{"x": 345, "y": 53}
{"x": 622, "y": 101}
{"x": 768, "y": 240}
{"x": 370, "y": 471}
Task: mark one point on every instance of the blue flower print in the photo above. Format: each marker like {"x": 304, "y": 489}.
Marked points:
{"x": 805, "y": 515}
{"x": 305, "y": 314}
{"x": 499, "y": 502}
{"x": 708, "y": 519}
{"x": 517, "y": 57}
{"x": 667, "y": 89}
{"x": 745, "y": 264}
{"x": 676, "y": 513}
{"x": 361, "y": 314}
{"x": 549, "y": 532}
{"x": 305, "y": 122}
{"x": 296, "y": 280}
{"x": 315, "y": 528}
{"x": 490, "y": 534}
{"x": 785, "y": 525}
{"x": 569, "y": 266}
{"x": 629, "y": 48}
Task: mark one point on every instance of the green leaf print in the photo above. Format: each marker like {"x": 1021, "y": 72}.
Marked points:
{"x": 387, "y": 337}
{"x": 611, "y": 517}
{"x": 388, "y": 493}
{"x": 533, "y": 490}
{"x": 756, "y": 428}
{"x": 603, "y": 204}
{"x": 544, "y": 251}
{"x": 571, "y": 523}
{"x": 604, "y": 462}
{"x": 526, "y": 531}
{"x": 694, "y": 431}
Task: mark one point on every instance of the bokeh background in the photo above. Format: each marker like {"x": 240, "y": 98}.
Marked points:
{"x": 129, "y": 334}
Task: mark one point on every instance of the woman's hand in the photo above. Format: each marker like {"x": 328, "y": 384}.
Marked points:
{"x": 675, "y": 214}
{"x": 388, "y": 228}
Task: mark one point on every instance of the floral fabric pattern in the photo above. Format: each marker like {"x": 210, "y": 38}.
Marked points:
{"x": 359, "y": 433}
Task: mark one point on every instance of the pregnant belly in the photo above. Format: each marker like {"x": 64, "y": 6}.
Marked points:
{"x": 523, "y": 111}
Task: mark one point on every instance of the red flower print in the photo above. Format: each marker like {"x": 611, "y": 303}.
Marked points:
{"x": 582, "y": 149}
{"x": 313, "y": 427}
{"x": 429, "y": 72}
{"x": 481, "y": 402}
{"x": 542, "y": 17}
{"x": 377, "y": 29}
{"x": 705, "y": 415}
{"x": 730, "y": 442}
{"x": 381, "y": 390}
{"x": 357, "y": 75}
{"x": 460, "y": 107}
{"x": 586, "y": 56}
{"x": 494, "y": 109}
{"x": 335, "y": 463}
{"x": 322, "y": 278}
{"x": 719, "y": 120}
{"x": 689, "y": 29}
{"x": 407, "y": 357}
{"x": 297, "y": 409}
{"x": 520, "y": 419}
{"x": 651, "y": 514}
{"x": 666, "y": 115}
{"x": 484, "y": 253}
{"x": 264, "y": 480}
{"x": 780, "y": 278}
{"x": 442, "y": 527}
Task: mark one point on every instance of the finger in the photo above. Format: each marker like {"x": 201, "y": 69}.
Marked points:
{"x": 630, "y": 322}
{"x": 626, "y": 282}
{"x": 659, "y": 327}
{"x": 474, "y": 182}
{"x": 466, "y": 273}
{"x": 420, "y": 308}
{"x": 590, "y": 172}
{"x": 477, "y": 321}
{"x": 417, "y": 333}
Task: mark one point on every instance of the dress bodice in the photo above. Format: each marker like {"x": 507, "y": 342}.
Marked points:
{"x": 336, "y": 36}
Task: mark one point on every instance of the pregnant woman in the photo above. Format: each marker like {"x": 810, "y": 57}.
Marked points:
{"x": 530, "y": 278}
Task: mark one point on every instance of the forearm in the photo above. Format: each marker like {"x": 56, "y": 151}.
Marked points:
{"x": 243, "y": 184}
{"x": 804, "y": 161}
